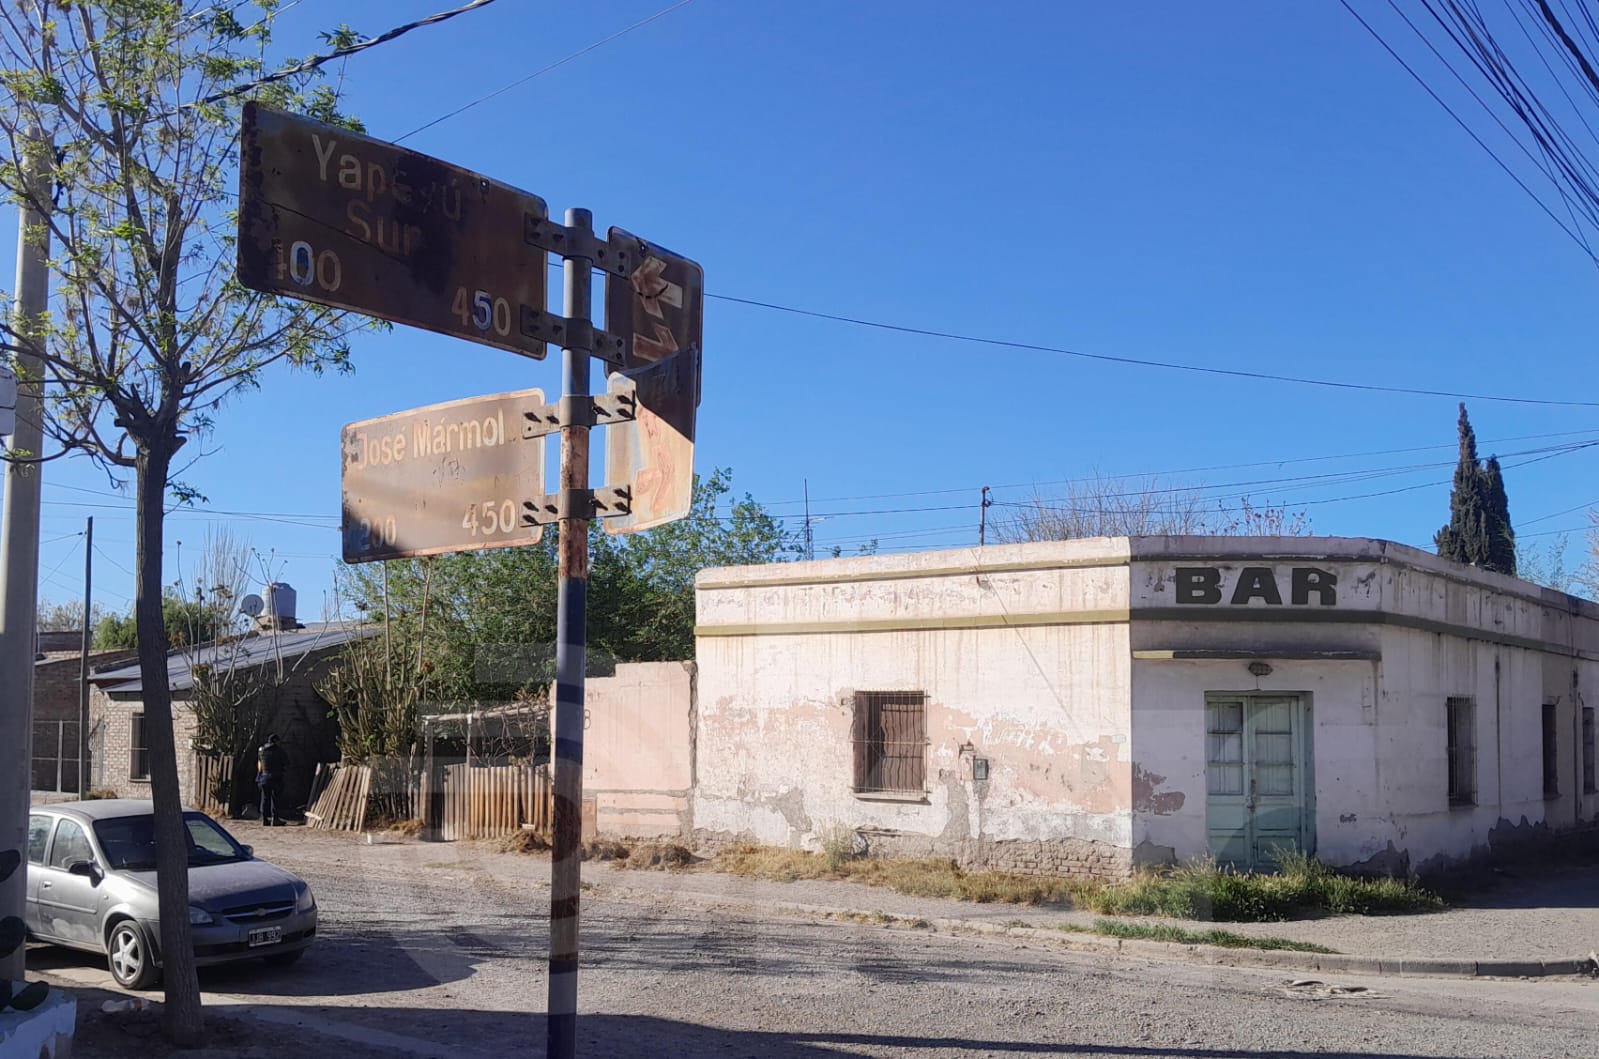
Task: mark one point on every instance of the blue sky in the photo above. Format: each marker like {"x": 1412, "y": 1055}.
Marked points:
{"x": 1252, "y": 186}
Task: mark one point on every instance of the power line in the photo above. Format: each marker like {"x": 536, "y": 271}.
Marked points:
{"x": 1236, "y": 373}
{"x": 1472, "y": 133}
{"x": 546, "y": 69}
{"x": 338, "y": 53}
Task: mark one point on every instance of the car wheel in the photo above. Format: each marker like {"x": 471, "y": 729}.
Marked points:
{"x": 285, "y": 959}
{"x": 130, "y": 958}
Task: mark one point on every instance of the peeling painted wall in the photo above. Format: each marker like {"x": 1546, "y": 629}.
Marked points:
{"x": 1078, "y": 671}
{"x": 1022, "y": 658}
{"x": 638, "y": 763}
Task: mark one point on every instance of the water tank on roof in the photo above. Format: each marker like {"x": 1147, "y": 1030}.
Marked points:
{"x": 280, "y": 605}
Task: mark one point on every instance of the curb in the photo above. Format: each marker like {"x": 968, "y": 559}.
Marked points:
{"x": 1414, "y": 967}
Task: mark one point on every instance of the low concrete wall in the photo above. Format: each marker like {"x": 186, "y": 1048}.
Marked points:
{"x": 638, "y": 749}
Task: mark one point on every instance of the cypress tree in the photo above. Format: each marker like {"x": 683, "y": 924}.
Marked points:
{"x": 1501, "y": 536}
{"x": 1478, "y": 531}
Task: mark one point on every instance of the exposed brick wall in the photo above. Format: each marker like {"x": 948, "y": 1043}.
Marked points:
{"x": 301, "y": 721}
{"x": 55, "y": 682}
{"x": 1074, "y": 858}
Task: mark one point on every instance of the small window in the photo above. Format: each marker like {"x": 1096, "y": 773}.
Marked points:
{"x": 1588, "y": 750}
{"x": 1460, "y": 719}
{"x": 1551, "y": 753}
{"x": 38, "y": 836}
{"x": 71, "y": 845}
{"x": 890, "y": 737}
{"x": 138, "y": 751}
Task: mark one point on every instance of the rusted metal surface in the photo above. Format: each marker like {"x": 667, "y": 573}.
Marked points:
{"x": 330, "y": 216}
{"x": 445, "y": 478}
{"x": 659, "y": 310}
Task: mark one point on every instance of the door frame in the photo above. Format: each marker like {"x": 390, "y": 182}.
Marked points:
{"x": 1305, "y": 714}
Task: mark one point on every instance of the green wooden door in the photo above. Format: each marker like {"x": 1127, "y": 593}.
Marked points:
{"x": 1257, "y": 779}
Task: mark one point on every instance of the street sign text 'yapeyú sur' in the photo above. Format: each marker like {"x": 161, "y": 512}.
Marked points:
{"x": 446, "y": 478}
{"x": 331, "y": 216}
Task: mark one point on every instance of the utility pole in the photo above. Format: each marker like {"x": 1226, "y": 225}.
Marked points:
{"x": 810, "y": 551}
{"x": 83, "y": 664}
{"x": 982, "y": 518}
{"x": 19, "y": 533}
{"x": 571, "y": 618}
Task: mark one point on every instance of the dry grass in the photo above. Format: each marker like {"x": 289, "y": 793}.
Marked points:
{"x": 605, "y": 849}
{"x": 919, "y": 877}
{"x": 522, "y": 842}
{"x": 1199, "y": 891}
{"x": 404, "y": 828}
{"x": 659, "y": 856}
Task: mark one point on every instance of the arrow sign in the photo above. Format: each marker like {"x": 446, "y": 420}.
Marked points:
{"x": 660, "y": 308}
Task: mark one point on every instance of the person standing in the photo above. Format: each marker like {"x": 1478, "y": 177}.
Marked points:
{"x": 270, "y": 767}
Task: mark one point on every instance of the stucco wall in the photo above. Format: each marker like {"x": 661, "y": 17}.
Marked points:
{"x": 1416, "y": 630}
{"x": 638, "y": 754}
{"x": 1022, "y": 654}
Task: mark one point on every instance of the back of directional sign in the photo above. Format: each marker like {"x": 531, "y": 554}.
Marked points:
{"x": 659, "y": 313}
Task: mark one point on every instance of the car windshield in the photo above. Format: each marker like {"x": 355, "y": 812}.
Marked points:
{"x": 128, "y": 842}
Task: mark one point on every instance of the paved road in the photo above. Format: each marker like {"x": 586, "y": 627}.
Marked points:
{"x": 444, "y": 957}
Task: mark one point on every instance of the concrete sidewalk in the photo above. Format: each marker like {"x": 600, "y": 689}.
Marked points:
{"x": 1530, "y": 924}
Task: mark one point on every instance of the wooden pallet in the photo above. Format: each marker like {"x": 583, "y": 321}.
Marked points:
{"x": 342, "y": 804}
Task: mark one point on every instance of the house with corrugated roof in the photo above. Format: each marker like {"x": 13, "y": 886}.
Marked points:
{"x": 281, "y": 657}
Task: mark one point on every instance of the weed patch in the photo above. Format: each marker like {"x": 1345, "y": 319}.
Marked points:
{"x": 918, "y": 877}
{"x": 659, "y": 856}
{"x": 522, "y": 842}
{"x": 1225, "y": 938}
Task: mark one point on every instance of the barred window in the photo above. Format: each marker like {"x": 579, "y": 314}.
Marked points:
{"x": 1461, "y": 723}
{"x": 890, "y": 740}
{"x": 1587, "y": 750}
{"x": 1551, "y": 752}
{"x": 138, "y": 751}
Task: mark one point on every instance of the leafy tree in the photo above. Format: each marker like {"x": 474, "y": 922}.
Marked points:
{"x": 184, "y": 623}
{"x": 1478, "y": 531}
{"x": 147, "y": 332}
{"x": 480, "y": 626}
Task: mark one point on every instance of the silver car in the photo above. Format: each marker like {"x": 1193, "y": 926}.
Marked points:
{"x": 91, "y": 886}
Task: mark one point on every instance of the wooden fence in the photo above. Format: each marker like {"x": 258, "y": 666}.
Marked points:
{"x": 487, "y": 801}
{"x": 209, "y": 775}
{"x": 479, "y": 801}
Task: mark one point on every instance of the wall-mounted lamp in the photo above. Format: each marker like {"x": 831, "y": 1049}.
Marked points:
{"x": 979, "y": 768}
{"x": 1260, "y": 669}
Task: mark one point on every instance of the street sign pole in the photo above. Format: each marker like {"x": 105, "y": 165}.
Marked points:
{"x": 571, "y": 630}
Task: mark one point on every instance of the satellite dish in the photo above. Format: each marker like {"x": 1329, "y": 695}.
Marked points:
{"x": 251, "y": 605}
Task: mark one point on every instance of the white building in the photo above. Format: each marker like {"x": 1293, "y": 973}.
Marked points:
{"x": 1087, "y": 707}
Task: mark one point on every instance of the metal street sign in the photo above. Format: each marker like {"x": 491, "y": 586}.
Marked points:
{"x": 653, "y": 453}
{"x": 660, "y": 307}
{"x": 658, "y": 311}
{"x": 330, "y": 216}
{"x": 446, "y": 478}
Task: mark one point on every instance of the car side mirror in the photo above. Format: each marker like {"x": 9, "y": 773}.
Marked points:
{"x": 85, "y": 868}
{"x": 249, "y": 851}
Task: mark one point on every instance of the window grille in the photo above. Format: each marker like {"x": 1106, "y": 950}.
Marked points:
{"x": 138, "y": 751}
{"x": 890, "y": 741}
{"x": 1551, "y": 752}
{"x": 1461, "y": 722}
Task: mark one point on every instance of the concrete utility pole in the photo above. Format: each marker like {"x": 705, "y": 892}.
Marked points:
{"x": 83, "y": 664}
{"x": 19, "y": 540}
{"x": 571, "y": 621}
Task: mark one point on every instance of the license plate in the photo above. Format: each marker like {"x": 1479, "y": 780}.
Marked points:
{"x": 266, "y": 936}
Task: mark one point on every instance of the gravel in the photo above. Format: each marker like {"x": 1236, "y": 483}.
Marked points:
{"x": 439, "y": 950}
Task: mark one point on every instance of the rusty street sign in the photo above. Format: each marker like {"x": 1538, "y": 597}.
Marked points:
{"x": 330, "y": 216}
{"x": 658, "y": 311}
{"x": 659, "y": 308}
{"x": 446, "y": 478}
